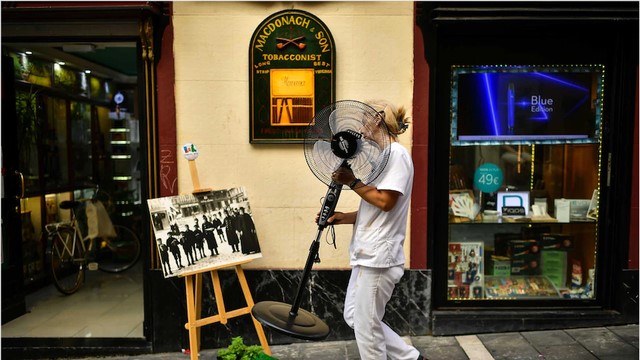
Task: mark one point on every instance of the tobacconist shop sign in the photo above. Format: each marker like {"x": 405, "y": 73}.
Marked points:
{"x": 291, "y": 75}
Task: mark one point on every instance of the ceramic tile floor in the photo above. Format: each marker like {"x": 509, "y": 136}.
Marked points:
{"x": 108, "y": 305}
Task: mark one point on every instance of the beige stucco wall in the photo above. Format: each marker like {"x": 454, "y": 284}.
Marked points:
{"x": 374, "y": 59}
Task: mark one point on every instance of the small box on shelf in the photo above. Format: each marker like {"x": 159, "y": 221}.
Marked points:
{"x": 525, "y": 257}
{"x": 556, "y": 241}
{"x": 554, "y": 266}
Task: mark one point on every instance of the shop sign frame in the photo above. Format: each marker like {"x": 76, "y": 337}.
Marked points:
{"x": 291, "y": 76}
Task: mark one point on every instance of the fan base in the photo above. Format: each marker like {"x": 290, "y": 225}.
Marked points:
{"x": 304, "y": 325}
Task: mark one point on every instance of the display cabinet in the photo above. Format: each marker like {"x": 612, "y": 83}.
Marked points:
{"x": 524, "y": 179}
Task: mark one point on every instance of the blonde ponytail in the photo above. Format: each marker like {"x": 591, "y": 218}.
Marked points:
{"x": 395, "y": 117}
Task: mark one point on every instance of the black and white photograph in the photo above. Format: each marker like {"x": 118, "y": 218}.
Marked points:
{"x": 203, "y": 230}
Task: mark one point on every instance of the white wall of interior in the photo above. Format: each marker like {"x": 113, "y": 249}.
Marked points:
{"x": 374, "y": 59}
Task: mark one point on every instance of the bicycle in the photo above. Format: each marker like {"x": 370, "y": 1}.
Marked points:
{"x": 69, "y": 254}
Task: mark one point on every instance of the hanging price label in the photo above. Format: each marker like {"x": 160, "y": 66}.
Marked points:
{"x": 488, "y": 178}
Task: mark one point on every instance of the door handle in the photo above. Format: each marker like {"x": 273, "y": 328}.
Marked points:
{"x": 21, "y": 184}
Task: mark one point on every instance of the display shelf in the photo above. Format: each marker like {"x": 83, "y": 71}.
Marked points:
{"x": 520, "y": 287}
{"x": 546, "y": 248}
{"x": 465, "y": 221}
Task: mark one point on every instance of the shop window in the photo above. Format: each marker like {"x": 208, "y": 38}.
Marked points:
{"x": 524, "y": 181}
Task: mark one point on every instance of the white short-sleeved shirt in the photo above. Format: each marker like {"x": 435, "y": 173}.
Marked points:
{"x": 378, "y": 236}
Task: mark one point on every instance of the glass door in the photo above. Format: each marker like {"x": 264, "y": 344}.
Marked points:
{"x": 67, "y": 135}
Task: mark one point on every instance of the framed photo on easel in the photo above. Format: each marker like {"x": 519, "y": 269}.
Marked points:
{"x": 203, "y": 230}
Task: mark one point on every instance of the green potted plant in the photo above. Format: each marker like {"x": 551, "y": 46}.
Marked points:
{"x": 239, "y": 351}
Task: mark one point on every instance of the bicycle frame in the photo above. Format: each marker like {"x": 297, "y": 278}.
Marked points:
{"x": 70, "y": 252}
{"x": 69, "y": 248}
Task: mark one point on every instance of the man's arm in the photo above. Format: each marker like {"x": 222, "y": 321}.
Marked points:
{"x": 384, "y": 200}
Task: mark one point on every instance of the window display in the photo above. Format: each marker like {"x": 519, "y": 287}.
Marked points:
{"x": 523, "y": 205}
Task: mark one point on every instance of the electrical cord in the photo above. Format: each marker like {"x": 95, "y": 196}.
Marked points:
{"x": 331, "y": 233}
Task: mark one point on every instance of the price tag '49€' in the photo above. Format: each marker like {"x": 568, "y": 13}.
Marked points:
{"x": 488, "y": 178}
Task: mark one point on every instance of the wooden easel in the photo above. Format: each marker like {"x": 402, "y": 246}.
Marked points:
{"x": 193, "y": 283}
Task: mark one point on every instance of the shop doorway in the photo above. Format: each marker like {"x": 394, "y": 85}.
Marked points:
{"x": 76, "y": 130}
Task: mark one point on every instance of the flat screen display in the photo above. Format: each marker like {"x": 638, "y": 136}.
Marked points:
{"x": 526, "y": 104}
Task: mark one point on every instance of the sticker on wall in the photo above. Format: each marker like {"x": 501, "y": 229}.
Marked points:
{"x": 190, "y": 151}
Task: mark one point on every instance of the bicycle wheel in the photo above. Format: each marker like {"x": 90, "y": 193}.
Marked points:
{"x": 66, "y": 258}
{"x": 119, "y": 253}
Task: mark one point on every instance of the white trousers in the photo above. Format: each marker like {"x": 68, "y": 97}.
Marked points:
{"x": 368, "y": 292}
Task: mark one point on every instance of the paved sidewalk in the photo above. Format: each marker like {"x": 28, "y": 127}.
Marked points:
{"x": 603, "y": 343}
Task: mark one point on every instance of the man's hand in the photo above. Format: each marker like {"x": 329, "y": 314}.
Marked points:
{"x": 339, "y": 218}
{"x": 343, "y": 175}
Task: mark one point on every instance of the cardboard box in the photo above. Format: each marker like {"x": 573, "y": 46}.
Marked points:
{"x": 578, "y": 209}
{"x": 526, "y": 265}
{"x": 567, "y": 210}
{"x": 556, "y": 242}
{"x": 502, "y": 243}
{"x": 525, "y": 257}
{"x": 562, "y": 210}
{"x": 501, "y": 267}
{"x": 524, "y": 247}
{"x": 554, "y": 266}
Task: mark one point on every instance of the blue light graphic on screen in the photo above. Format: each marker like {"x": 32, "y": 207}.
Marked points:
{"x": 526, "y": 104}
{"x": 490, "y": 101}
{"x": 511, "y": 117}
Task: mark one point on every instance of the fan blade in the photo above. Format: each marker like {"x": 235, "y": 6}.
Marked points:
{"x": 362, "y": 157}
{"x": 370, "y": 161}
{"x": 323, "y": 157}
{"x": 343, "y": 119}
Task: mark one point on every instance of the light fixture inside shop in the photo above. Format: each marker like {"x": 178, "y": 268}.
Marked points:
{"x": 120, "y": 157}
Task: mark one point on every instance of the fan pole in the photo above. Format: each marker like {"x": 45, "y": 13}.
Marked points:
{"x": 326, "y": 211}
{"x": 284, "y": 317}
{"x": 313, "y": 253}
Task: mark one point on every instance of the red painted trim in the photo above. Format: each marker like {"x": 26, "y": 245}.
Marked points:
{"x": 634, "y": 212}
{"x": 167, "y": 142}
{"x": 74, "y": 4}
{"x": 419, "y": 151}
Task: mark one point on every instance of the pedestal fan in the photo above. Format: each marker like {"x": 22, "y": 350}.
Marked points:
{"x": 347, "y": 133}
